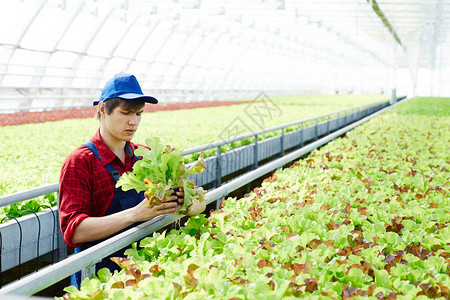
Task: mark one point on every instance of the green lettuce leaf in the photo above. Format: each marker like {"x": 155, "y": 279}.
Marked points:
{"x": 198, "y": 167}
{"x": 160, "y": 170}
{"x": 129, "y": 181}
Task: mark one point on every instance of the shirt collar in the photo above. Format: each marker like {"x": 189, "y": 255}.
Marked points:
{"x": 129, "y": 150}
{"x": 106, "y": 154}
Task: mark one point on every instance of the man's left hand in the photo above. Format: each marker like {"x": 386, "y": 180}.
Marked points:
{"x": 180, "y": 195}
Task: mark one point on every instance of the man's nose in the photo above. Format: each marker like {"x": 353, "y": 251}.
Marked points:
{"x": 133, "y": 119}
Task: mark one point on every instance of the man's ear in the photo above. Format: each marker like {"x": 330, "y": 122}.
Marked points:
{"x": 101, "y": 109}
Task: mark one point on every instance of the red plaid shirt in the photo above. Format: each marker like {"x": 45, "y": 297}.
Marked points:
{"x": 86, "y": 186}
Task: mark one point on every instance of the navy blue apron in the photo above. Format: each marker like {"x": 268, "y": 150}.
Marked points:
{"x": 121, "y": 201}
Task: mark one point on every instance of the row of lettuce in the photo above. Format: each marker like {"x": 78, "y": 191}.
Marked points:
{"x": 366, "y": 215}
{"x": 45, "y": 145}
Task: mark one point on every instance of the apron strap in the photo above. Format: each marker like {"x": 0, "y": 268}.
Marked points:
{"x": 136, "y": 158}
{"x": 114, "y": 173}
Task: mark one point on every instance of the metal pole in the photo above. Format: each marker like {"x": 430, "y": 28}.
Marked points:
{"x": 281, "y": 143}
{"x": 219, "y": 201}
{"x": 393, "y": 96}
{"x": 219, "y": 167}
{"x": 255, "y": 153}
{"x": 328, "y": 125}
{"x": 301, "y": 134}
{"x": 315, "y": 130}
{"x": 62, "y": 246}
{"x": 29, "y": 194}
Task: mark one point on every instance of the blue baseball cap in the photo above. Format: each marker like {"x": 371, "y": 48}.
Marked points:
{"x": 124, "y": 86}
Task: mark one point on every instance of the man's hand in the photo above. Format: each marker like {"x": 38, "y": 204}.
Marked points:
{"x": 142, "y": 213}
{"x": 180, "y": 195}
{"x": 96, "y": 228}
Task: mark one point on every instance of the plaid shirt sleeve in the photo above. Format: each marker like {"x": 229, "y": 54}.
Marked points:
{"x": 86, "y": 190}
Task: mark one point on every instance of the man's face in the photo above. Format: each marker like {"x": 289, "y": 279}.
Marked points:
{"x": 121, "y": 124}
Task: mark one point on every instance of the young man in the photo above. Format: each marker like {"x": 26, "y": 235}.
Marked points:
{"x": 91, "y": 209}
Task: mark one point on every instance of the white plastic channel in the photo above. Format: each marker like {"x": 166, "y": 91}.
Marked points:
{"x": 44, "y": 278}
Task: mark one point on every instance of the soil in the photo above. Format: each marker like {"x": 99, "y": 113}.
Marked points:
{"x": 26, "y": 117}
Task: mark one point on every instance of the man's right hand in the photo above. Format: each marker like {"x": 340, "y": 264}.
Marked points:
{"x": 142, "y": 213}
{"x": 96, "y": 228}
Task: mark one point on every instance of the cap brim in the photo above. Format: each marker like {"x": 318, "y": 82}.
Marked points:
{"x": 131, "y": 96}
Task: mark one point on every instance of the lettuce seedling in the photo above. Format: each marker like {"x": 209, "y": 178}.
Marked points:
{"x": 160, "y": 170}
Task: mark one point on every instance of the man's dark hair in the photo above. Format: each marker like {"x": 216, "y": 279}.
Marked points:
{"x": 131, "y": 105}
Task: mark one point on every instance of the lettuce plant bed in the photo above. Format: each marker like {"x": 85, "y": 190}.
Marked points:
{"x": 365, "y": 216}
{"x": 43, "y": 147}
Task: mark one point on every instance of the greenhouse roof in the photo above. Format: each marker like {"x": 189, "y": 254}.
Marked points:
{"x": 52, "y": 49}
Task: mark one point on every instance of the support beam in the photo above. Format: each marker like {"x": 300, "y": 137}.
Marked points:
{"x": 385, "y": 21}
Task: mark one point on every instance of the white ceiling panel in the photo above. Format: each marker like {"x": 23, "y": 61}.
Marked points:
{"x": 84, "y": 42}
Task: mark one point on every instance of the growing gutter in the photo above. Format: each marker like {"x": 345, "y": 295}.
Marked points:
{"x": 86, "y": 260}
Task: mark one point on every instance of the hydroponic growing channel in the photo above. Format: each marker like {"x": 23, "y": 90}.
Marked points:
{"x": 366, "y": 215}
